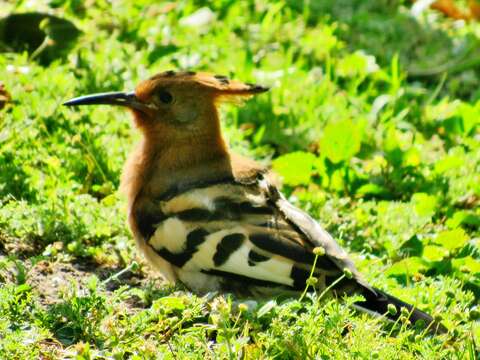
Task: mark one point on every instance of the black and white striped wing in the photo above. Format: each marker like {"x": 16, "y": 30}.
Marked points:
{"x": 242, "y": 238}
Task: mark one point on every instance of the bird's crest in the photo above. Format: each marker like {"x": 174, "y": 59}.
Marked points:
{"x": 219, "y": 86}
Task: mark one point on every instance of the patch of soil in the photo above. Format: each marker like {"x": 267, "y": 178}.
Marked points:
{"x": 52, "y": 279}
{"x": 20, "y": 248}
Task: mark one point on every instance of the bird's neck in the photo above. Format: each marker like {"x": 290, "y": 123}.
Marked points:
{"x": 159, "y": 164}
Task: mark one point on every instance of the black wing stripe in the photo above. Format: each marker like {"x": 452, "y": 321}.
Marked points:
{"x": 226, "y": 247}
{"x": 248, "y": 281}
{"x": 194, "y": 239}
{"x": 254, "y": 258}
{"x": 226, "y": 180}
{"x": 180, "y": 189}
{"x": 197, "y": 214}
{"x": 226, "y": 205}
{"x": 146, "y": 222}
{"x": 277, "y": 245}
{"x": 290, "y": 250}
{"x": 225, "y": 211}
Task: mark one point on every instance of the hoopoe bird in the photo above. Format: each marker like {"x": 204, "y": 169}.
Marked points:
{"x": 216, "y": 221}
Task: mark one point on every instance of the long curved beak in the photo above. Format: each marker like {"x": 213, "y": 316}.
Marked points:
{"x": 121, "y": 98}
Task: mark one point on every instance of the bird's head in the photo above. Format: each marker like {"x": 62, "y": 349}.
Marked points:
{"x": 175, "y": 104}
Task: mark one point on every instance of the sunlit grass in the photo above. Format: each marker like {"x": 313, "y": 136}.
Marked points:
{"x": 383, "y": 151}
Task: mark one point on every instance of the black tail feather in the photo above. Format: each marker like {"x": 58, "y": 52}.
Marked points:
{"x": 378, "y": 302}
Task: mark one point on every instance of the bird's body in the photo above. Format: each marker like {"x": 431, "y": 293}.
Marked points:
{"x": 214, "y": 220}
{"x": 236, "y": 234}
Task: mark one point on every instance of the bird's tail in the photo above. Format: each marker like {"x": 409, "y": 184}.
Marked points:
{"x": 380, "y": 303}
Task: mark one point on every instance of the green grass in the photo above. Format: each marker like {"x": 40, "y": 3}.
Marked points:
{"x": 373, "y": 121}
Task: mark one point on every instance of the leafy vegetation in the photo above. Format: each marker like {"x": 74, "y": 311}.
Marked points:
{"x": 373, "y": 122}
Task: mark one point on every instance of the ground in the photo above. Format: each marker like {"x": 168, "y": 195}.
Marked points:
{"x": 372, "y": 123}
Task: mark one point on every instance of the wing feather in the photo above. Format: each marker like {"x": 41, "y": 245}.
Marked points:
{"x": 249, "y": 232}
{"x": 312, "y": 230}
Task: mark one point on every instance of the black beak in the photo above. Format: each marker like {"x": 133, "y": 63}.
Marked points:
{"x": 127, "y": 99}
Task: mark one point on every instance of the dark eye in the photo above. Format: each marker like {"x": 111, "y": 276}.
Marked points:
{"x": 165, "y": 97}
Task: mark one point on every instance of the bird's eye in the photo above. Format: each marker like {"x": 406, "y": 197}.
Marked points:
{"x": 165, "y": 97}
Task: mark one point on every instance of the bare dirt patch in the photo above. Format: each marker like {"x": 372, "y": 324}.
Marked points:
{"x": 52, "y": 279}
